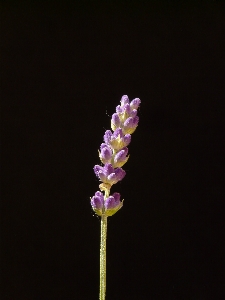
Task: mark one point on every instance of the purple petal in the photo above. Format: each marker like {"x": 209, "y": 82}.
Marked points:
{"x": 116, "y": 196}
{"x": 97, "y": 201}
{"x": 118, "y": 109}
{"x": 133, "y": 113}
{"x": 102, "y": 176}
{"x": 135, "y": 103}
{"x": 97, "y": 168}
{"x": 112, "y": 178}
{"x": 127, "y": 139}
{"x": 110, "y": 203}
{"x": 118, "y": 132}
{"x": 136, "y": 120}
{"x": 121, "y": 155}
{"x": 129, "y": 122}
{"x": 107, "y": 136}
{"x": 126, "y": 150}
{"x": 120, "y": 173}
{"x": 99, "y": 194}
{"x": 116, "y": 120}
{"x": 127, "y": 109}
{"x": 103, "y": 145}
{"x": 124, "y": 100}
{"x": 106, "y": 153}
{"x": 108, "y": 169}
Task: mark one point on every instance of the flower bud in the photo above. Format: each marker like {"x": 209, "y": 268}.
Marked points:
{"x": 113, "y": 204}
{"x": 108, "y": 206}
{"x": 135, "y": 103}
{"x": 130, "y": 125}
{"x": 120, "y": 158}
{"x": 107, "y": 174}
{"x": 124, "y": 100}
{"x": 115, "y": 122}
{"x": 105, "y": 154}
{"x": 97, "y": 203}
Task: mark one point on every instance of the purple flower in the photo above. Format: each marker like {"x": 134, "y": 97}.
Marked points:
{"x": 113, "y": 201}
{"x": 124, "y": 112}
{"x": 118, "y": 109}
{"x": 113, "y": 204}
{"x": 130, "y": 125}
{"x": 115, "y": 122}
{"x": 133, "y": 113}
{"x": 124, "y": 100}
{"x": 117, "y": 140}
{"x": 126, "y": 108}
{"x": 97, "y": 203}
{"x": 105, "y": 154}
{"x": 120, "y": 158}
{"x": 109, "y": 206}
{"x": 107, "y": 174}
{"x": 114, "y": 154}
{"x": 135, "y": 103}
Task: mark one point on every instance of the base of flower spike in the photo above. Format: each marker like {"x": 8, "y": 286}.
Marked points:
{"x": 106, "y": 205}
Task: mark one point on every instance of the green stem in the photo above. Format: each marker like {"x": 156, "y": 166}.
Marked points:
{"x": 103, "y": 257}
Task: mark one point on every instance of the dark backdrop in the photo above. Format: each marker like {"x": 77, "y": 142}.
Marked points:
{"x": 64, "y": 68}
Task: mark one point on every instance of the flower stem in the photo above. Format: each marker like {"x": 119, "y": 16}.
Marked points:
{"x": 102, "y": 291}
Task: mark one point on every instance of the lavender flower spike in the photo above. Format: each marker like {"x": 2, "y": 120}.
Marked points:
{"x": 114, "y": 152}
{"x": 113, "y": 155}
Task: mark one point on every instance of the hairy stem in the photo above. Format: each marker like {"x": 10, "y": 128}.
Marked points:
{"x": 103, "y": 257}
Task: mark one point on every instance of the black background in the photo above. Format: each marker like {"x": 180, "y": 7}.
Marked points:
{"x": 64, "y": 69}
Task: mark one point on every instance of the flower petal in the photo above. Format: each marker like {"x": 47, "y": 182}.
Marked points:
{"x": 124, "y": 100}
{"x": 135, "y": 103}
